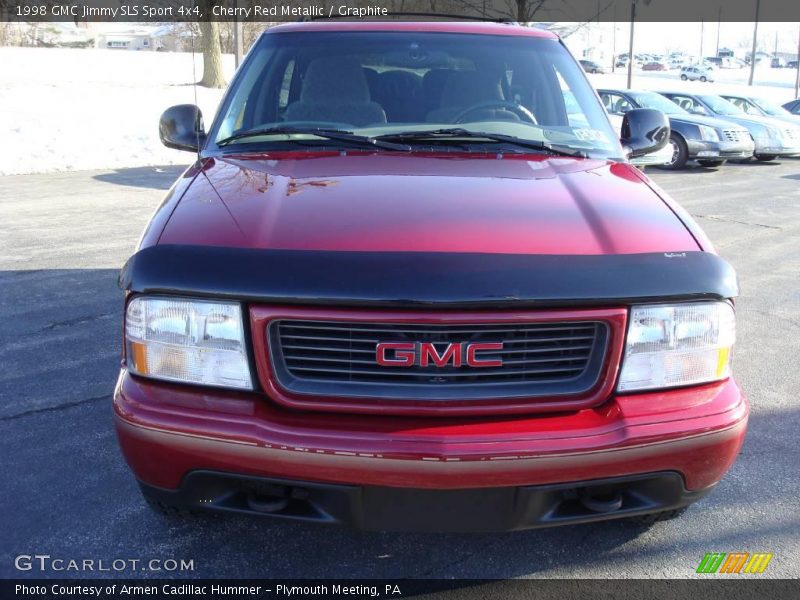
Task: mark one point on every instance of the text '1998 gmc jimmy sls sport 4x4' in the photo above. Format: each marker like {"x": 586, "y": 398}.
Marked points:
{"x": 412, "y": 282}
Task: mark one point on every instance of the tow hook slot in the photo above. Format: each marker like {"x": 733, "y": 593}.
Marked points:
{"x": 601, "y": 502}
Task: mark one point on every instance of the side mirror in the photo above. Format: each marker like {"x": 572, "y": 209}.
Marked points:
{"x": 644, "y": 130}
{"x": 181, "y": 127}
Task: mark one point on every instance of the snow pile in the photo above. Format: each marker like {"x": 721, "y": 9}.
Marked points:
{"x": 70, "y": 109}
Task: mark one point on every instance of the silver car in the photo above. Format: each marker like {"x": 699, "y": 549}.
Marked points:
{"x": 772, "y": 137}
{"x": 753, "y": 105}
{"x": 696, "y": 73}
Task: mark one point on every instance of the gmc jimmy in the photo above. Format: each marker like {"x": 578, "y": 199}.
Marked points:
{"x": 412, "y": 282}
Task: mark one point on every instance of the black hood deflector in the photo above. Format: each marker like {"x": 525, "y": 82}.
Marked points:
{"x": 427, "y": 279}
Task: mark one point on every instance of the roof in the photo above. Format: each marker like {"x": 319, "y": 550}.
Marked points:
{"x": 481, "y": 27}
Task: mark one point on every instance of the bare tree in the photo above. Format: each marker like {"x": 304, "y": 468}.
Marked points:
{"x": 213, "y": 73}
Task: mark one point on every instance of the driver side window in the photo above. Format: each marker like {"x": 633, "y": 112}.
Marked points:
{"x": 616, "y": 104}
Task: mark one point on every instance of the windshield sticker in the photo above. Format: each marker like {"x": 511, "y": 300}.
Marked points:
{"x": 590, "y": 135}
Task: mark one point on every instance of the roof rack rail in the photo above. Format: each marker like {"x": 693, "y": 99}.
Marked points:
{"x": 453, "y": 17}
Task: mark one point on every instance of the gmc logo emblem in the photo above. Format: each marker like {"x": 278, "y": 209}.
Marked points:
{"x": 407, "y": 354}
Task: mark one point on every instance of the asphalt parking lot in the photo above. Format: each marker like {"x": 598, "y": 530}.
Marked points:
{"x": 68, "y": 493}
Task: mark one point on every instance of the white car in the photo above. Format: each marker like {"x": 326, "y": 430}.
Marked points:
{"x": 696, "y": 73}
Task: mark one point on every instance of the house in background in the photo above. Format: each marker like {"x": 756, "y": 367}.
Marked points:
{"x": 58, "y": 34}
{"x": 170, "y": 37}
{"x": 132, "y": 38}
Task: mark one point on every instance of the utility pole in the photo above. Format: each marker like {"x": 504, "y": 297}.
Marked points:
{"x": 614, "y": 43}
{"x": 797, "y": 76}
{"x": 237, "y": 39}
{"x": 719, "y": 26}
{"x": 702, "y": 32}
{"x": 755, "y": 44}
{"x": 237, "y": 43}
{"x": 630, "y": 46}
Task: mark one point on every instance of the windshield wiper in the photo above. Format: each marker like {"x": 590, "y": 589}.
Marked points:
{"x": 340, "y": 135}
{"x": 458, "y": 132}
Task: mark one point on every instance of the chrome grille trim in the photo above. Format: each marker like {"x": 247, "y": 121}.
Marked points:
{"x": 736, "y": 135}
{"x": 337, "y": 359}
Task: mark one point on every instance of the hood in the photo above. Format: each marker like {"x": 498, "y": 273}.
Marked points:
{"x": 426, "y": 203}
{"x": 716, "y": 122}
{"x": 752, "y": 121}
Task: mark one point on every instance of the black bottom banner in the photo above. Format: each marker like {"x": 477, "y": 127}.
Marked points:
{"x": 619, "y": 589}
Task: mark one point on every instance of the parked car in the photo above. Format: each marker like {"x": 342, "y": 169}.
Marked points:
{"x": 591, "y": 67}
{"x": 772, "y": 137}
{"x": 777, "y": 63}
{"x": 355, "y": 308}
{"x": 707, "y": 140}
{"x": 696, "y": 73}
{"x": 793, "y": 106}
{"x": 716, "y": 61}
{"x": 792, "y": 64}
{"x": 754, "y": 105}
{"x": 654, "y": 66}
{"x": 623, "y": 62}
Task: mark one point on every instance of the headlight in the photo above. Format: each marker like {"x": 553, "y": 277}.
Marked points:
{"x": 708, "y": 133}
{"x": 191, "y": 341}
{"x": 681, "y": 344}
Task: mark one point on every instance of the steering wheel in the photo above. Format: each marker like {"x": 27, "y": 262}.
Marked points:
{"x": 523, "y": 113}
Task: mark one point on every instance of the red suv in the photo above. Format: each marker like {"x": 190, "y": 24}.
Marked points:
{"x": 412, "y": 282}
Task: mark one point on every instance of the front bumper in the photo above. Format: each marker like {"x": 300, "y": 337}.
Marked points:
{"x": 723, "y": 150}
{"x": 378, "y": 508}
{"x": 771, "y": 147}
{"x": 168, "y": 432}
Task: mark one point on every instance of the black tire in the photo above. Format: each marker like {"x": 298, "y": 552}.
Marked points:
{"x": 703, "y": 78}
{"x": 680, "y": 153}
{"x": 765, "y": 157}
{"x": 594, "y": 71}
{"x": 684, "y": 78}
{"x": 658, "y": 517}
{"x": 711, "y": 163}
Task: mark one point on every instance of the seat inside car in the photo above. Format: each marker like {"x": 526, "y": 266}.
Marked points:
{"x": 464, "y": 89}
{"x": 398, "y": 93}
{"x": 335, "y": 89}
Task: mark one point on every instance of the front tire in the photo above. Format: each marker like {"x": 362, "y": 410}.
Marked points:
{"x": 711, "y": 163}
{"x": 766, "y": 157}
{"x": 684, "y": 78}
{"x": 680, "y": 153}
{"x": 703, "y": 78}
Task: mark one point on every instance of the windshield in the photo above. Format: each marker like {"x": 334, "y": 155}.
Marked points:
{"x": 384, "y": 83}
{"x": 770, "y": 108}
{"x": 721, "y": 106}
{"x": 658, "y": 102}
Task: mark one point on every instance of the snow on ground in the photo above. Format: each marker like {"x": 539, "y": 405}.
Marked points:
{"x": 71, "y": 109}
{"x": 64, "y": 109}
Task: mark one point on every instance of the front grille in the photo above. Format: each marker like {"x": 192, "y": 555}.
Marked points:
{"x": 338, "y": 358}
{"x": 736, "y": 135}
